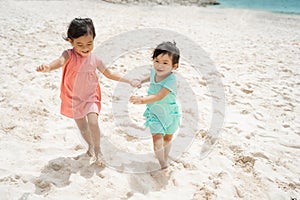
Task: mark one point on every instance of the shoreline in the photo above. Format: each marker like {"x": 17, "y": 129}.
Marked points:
{"x": 258, "y": 10}
{"x": 287, "y": 7}
{"x": 203, "y": 3}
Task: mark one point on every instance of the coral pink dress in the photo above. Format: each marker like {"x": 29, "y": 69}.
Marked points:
{"x": 80, "y": 89}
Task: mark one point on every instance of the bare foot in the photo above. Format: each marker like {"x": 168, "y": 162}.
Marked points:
{"x": 90, "y": 151}
{"x": 89, "y": 154}
{"x": 93, "y": 160}
{"x": 167, "y": 171}
{"x": 97, "y": 161}
{"x": 164, "y": 165}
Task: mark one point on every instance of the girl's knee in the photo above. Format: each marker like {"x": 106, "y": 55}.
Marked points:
{"x": 93, "y": 120}
{"x": 156, "y": 137}
{"x": 168, "y": 138}
{"x": 93, "y": 125}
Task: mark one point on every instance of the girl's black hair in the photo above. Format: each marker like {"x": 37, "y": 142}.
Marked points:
{"x": 168, "y": 48}
{"x": 80, "y": 27}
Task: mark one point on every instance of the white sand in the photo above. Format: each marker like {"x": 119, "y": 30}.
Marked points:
{"x": 255, "y": 157}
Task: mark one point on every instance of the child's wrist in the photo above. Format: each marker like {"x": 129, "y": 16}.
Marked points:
{"x": 142, "y": 99}
{"x": 129, "y": 81}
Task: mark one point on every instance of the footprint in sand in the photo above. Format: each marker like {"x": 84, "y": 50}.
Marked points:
{"x": 14, "y": 179}
{"x": 42, "y": 186}
{"x": 55, "y": 173}
{"x": 260, "y": 155}
{"x": 202, "y": 192}
{"x": 245, "y": 112}
{"x": 245, "y": 162}
{"x": 247, "y": 91}
{"x": 258, "y": 116}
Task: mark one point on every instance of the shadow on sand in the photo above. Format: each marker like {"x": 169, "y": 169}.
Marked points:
{"x": 58, "y": 171}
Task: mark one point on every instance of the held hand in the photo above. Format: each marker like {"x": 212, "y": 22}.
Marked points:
{"x": 136, "y": 83}
{"x": 43, "y": 68}
{"x": 136, "y": 99}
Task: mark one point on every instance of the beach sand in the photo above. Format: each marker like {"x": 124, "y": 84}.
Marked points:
{"x": 255, "y": 155}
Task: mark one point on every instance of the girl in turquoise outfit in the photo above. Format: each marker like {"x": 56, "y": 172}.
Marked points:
{"x": 162, "y": 115}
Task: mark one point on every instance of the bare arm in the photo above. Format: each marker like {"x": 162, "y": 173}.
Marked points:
{"x": 114, "y": 76}
{"x": 151, "y": 98}
{"x": 55, "y": 64}
{"x": 117, "y": 77}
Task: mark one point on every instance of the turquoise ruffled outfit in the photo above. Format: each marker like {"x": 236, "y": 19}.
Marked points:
{"x": 163, "y": 116}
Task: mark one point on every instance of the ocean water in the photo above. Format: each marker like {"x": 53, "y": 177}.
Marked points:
{"x": 282, "y": 6}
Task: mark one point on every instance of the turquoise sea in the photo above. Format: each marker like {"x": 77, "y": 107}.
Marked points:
{"x": 282, "y": 6}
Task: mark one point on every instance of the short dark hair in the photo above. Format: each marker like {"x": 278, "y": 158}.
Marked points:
{"x": 168, "y": 48}
{"x": 80, "y": 27}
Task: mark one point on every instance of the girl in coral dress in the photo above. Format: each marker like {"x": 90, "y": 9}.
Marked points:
{"x": 80, "y": 90}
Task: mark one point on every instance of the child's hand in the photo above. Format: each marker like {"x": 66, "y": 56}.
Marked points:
{"x": 136, "y": 99}
{"x": 43, "y": 68}
{"x": 136, "y": 83}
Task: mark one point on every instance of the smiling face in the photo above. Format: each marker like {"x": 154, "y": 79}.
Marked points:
{"x": 83, "y": 45}
{"x": 163, "y": 66}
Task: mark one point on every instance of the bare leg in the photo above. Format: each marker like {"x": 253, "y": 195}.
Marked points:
{"x": 158, "y": 144}
{"x": 95, "y": 133}
{"x": 167, "y": 146}
{"x": 85, "y": 133}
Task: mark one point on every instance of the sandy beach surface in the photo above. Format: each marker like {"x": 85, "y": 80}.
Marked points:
{"x": 254, "y": 154}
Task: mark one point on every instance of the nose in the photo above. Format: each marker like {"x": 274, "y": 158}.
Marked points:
{"x": 85, "y": 47}
{"x": 160, "y": 65}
